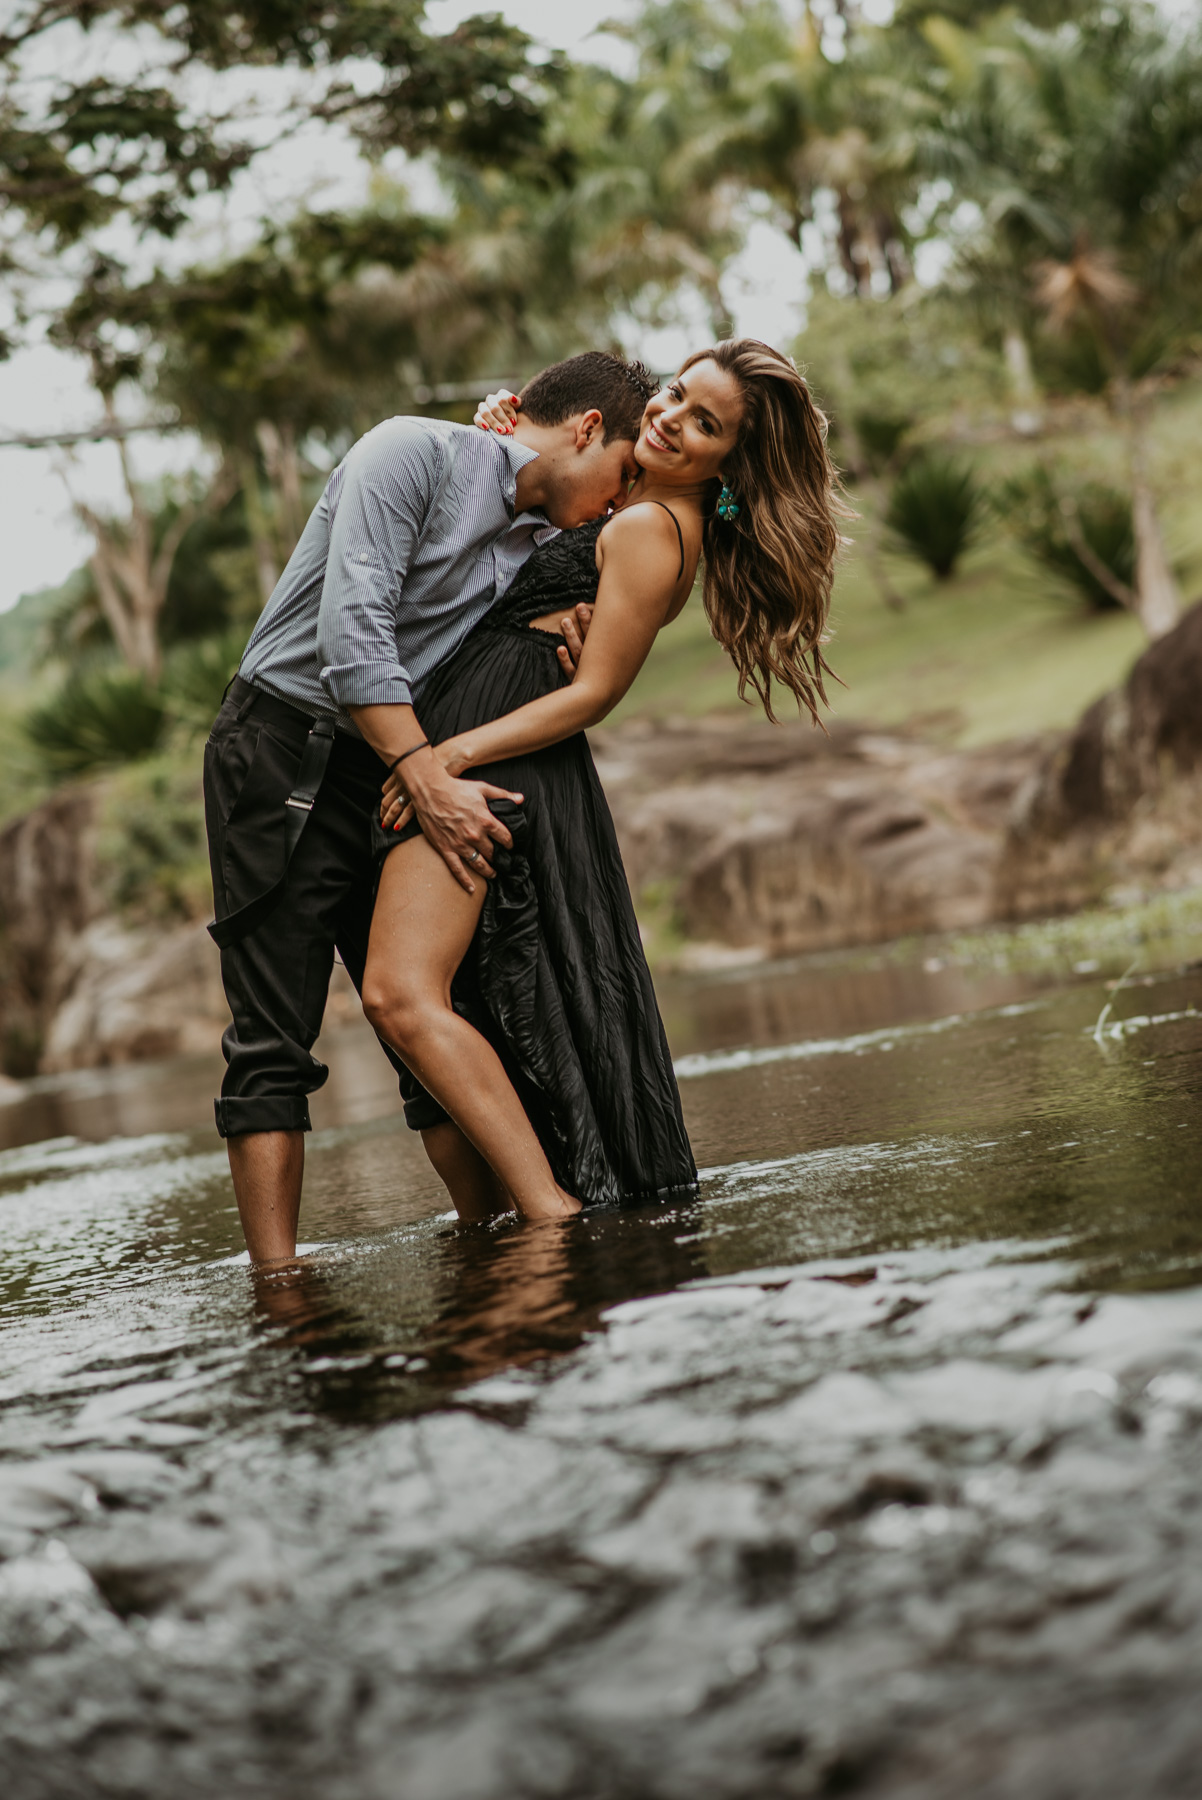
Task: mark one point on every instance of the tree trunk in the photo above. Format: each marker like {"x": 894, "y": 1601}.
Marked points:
{"x": 893, "y": 598}
{"x": 1155, "y": 587}
{"x": 861, "y": 468}
{"x": 131, "y": 576}
{"x": 108, "y": 593}
{"x": 124, "y": 565}
{"x": 281, "y": 459}
{"x": 1027, "y": 416}
{"x": 262, "y": 542}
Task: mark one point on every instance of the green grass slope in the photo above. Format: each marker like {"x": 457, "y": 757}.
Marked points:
{"x": 989, "y": 655}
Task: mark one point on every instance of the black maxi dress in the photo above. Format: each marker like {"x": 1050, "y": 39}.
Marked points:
{"x": 556, "y": 978}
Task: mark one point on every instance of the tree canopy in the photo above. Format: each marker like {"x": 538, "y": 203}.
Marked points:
{"x": 74, "y": 153}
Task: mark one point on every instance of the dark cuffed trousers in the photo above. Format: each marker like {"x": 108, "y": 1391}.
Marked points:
{"x": 277, "y": 977}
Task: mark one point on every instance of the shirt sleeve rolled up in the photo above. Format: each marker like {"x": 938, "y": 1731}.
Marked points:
{"x": 389, "y": 483}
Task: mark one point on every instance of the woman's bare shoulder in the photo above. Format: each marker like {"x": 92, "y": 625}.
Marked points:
{"x": 638, "y": 528}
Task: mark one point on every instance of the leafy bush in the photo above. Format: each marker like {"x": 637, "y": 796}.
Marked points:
{"x": 197, "y": 676}
{"x": 100, "y": 716}
{"x": 936, "y": 508}
{"x": 1033, "y": 505}
{"x": 881, "y": 433}
{"x": 151, "y": 851}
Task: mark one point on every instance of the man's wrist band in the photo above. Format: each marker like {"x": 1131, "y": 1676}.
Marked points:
{"x": 424, "y": 745}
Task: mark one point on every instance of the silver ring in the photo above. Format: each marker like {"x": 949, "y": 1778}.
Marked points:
{"x": 474, "y": 857}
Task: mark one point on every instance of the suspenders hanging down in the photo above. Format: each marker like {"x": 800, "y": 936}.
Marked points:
{"x": 297, "y": 807}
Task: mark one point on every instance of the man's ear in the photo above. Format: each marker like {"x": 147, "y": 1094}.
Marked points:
{"x": 590, "y": 428}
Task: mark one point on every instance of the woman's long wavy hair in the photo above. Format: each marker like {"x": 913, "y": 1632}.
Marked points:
{"x": 768, "y": 572}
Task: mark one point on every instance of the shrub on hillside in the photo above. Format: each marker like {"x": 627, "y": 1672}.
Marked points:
{"x": 100, "y": 716}
{"x": 152, "y": 856}
{"x": 197, "y": 675}
{"x": 936, "y": 509}
{"x": 1052, "y": 520}
{"x": 880, "y": 434}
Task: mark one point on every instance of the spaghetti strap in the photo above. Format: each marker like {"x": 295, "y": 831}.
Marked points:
{"x": 679, "y": 533}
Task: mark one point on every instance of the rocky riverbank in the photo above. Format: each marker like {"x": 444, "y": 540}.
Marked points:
{"x": 742, "y": 841}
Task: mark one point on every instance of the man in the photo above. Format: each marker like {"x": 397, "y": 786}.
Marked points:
{"x": 420, "y": 530}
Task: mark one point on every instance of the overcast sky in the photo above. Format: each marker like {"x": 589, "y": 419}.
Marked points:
{"x": 42, "y": 390}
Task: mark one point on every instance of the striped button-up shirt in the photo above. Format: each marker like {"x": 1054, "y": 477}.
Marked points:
{"x": 413, "y": 540}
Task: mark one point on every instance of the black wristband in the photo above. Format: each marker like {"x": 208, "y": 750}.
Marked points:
{"x": 424, "y": 745}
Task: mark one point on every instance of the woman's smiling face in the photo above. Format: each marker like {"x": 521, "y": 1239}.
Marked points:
{"x": 691, "y": 426}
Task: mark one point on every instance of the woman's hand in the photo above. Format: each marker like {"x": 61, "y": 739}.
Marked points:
{"x": 396, "y": 808}
{"x": 497, "y": 412}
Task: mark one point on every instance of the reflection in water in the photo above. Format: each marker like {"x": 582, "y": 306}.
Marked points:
{"x": 827, "y": 997}
{"x": 491, "y": 1298}
{"x": 506, "y": 1301}
{"x": 538, "y": 1291}
{"x": 854, "y": 1474}
{"x": 300, "y": 1300}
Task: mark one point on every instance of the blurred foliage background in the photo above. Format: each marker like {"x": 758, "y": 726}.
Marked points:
{"x": 1001, "y": 215}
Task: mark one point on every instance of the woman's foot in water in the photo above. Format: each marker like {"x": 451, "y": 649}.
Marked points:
{"x": 556, "y": 1205}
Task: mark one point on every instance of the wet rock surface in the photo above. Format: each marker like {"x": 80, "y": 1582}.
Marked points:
{"x": 649, "y": 1573}
{"x": 47, "y": 900}
{"x": 877, "y": 1471}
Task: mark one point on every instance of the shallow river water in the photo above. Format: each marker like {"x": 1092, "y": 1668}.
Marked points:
{"x": 877, "y": 1470}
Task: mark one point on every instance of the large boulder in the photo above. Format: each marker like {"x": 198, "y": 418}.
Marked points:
{"x": 1119, "y": 802}
{"x": 83, "y": 986}
{"x": 80, "y": 987}
{"x": 781, "y": 840}
{"x": 48, "y": 897}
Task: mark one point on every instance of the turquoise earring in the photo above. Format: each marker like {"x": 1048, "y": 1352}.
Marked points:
{"x": 727, "y": 508}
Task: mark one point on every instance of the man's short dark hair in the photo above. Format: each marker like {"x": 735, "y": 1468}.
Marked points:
{"x": 618, "y": 390}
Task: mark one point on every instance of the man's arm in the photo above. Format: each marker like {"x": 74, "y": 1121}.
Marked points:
{"x": 390, "y": 482}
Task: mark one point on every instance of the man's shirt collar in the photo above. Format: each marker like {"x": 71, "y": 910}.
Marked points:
{"x": 516, "y": 457}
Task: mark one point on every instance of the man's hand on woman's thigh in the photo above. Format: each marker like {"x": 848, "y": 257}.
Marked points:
{"x": 454, "y": 814}
{"x": 455, "y": 818}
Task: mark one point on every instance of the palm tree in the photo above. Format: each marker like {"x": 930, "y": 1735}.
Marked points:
{"x": 1083, "y": 148}
{"x": 758, "y": 108}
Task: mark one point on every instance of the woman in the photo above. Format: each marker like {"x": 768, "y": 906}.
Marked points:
{"x": 525, "y": 1010}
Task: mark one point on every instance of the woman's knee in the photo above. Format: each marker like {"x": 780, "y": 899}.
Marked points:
{"x": 393, "y": 1008}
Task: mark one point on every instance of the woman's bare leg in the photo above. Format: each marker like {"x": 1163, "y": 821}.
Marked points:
{"x": 474, "y": 1189}
{"x": 420, "y": 933}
